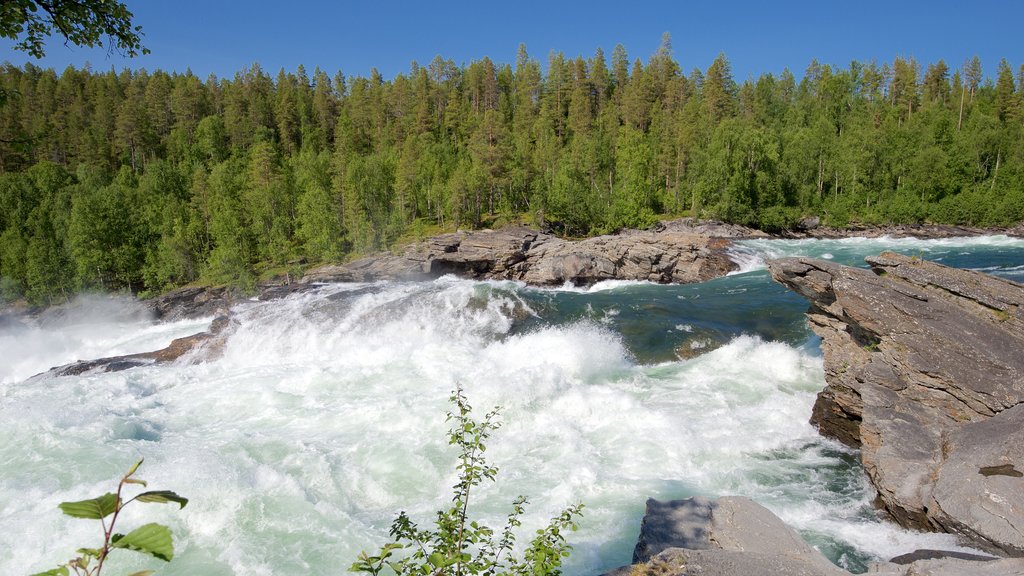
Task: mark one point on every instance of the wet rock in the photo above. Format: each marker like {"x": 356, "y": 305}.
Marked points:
{"x": 916, "y": 555}
{"x": 201, "y": 347}
{"x": 734, "y": 536}
{"x": 697, "y": 346}
{"x": 924, "y": 366}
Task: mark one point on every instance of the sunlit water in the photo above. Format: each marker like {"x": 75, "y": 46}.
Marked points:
{"x": 326, "y": 416}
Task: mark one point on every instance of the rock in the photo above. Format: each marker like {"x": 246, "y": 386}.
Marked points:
{"x": 924, "y": 367}
{"x": 731, "y": 536}
{"x": 192, "y": 302}
{"x": 536, "y": 258}
{"x": 674, "y": 524}
{"x": 952, "y": 566}
{"x": 200, "y": 347}
{"x": 916, "y": 555}
{"x": 734, "y": 536}
{"x": 712, "y": 228}
{"x": 808, "y": 223}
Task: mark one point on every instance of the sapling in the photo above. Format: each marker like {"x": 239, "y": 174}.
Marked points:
{"x": 459, "y": 546}
{"x": 153, "y": 539}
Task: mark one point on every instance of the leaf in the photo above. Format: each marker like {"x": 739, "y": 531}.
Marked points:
{"x": 134, "y": 468}
{"x": 94, "y": 509}
{"x": 134, "y": 481}
{"x": 143, "y": 573}
{"x": 162, "y": 497}
{"x": 153, "y": 539}
{"x": 94, "y": 552}
{"x": 437, "y": 559}
{"x": 61, "y": 571}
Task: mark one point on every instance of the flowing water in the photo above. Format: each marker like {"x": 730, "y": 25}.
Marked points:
{"x": 326, "y": 415}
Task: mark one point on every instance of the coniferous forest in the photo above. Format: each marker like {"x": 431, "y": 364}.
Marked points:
{"x": 147, "y": 180}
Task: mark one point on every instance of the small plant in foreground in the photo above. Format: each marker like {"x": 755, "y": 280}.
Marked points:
{"x": 153, "y": 539}
{"x": 458, "y": 546}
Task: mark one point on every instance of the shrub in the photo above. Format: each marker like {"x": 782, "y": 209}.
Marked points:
{"x": 153, "y": 539}
{"x": 458, "y": 546}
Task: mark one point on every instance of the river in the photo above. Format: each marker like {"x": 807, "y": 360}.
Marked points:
{"x": 326, "y": 415}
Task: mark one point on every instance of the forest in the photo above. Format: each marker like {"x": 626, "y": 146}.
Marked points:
{"x": 144, "y": 181}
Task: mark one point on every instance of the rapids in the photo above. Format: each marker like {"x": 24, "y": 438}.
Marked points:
{"x": 326, "y": 415}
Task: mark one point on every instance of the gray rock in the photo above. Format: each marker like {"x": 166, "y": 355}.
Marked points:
{"x": 192, "y": 302}
{"x": 734, "y": 536}
{"x": 926, "y": 554}
{"x": 541, "y": 259}
{"x": 199, "y": 347}
{"x": 731, "y": 536}
{"x": 673, "y": 524}
{"x": 808, "y": 223}
{"x": 923, "y": 365}
{"x": 952, "y": 567}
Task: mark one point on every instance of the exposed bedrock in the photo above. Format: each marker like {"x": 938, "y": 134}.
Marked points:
{"x": 201, "y": 347}
{"x": 672, "y": 254}
{"x": 735, "y": 536}
{"x": 925, "y": 373}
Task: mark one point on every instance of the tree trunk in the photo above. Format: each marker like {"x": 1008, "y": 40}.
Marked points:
{"x": 960, "y": 121}
{"x": 995, "y": 173}
{"x": 821, "y": 175}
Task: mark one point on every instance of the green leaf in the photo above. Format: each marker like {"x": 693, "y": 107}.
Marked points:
{"x": 437, "y": 559}
{"x": 94, "y": 509}
{"x": 134, "y": 468}
{"x": 61, "y": 571}
{"x": 94, "y": 552}
{"x": 134, "y": 481}
{"x": 162, "y": 497}
{"x": 153, "y": 539}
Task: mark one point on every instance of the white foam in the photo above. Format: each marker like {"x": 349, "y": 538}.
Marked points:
{"x": 88, "y": 328}
{"x": 325, "y": 417}
{"x": 602, "y": 286}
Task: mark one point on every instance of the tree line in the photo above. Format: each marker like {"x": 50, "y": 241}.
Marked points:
{"x": 146, "y": 181}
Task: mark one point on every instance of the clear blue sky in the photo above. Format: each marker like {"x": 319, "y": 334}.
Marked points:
{"x": 221, "y": 37}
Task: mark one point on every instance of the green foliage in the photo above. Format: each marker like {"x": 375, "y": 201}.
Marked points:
{"x": 84, "y": 22}
{"x": 457, "y": 544}
{"x": 152, "y": 539}
{"x": 145, "y": 181}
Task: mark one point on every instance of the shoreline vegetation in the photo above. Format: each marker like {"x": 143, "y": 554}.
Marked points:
{"x": 147, "y": 181}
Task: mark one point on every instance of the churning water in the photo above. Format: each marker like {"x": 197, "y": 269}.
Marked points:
{"x": 326, "y": 415}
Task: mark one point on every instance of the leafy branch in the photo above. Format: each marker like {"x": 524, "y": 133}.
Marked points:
{"x": 153, "y": 539}
{"x": 459, "y": 546}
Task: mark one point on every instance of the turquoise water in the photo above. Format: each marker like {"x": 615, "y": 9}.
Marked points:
{"x": 325, "y": 417}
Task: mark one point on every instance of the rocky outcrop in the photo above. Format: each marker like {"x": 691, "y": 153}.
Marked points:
{"x": 192, "y": 302}
{"x": 731, "y": 536}
{"x": 670, "y": 255}
{"x": 201, "y": 347}
{"x": 925, "y": 373}
{"x": 735, "y": 536}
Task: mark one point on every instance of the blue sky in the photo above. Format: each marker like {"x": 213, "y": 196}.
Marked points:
{"x": 221, "y": 37}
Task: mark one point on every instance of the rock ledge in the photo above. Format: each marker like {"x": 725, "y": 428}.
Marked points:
{"x": 925, "y": 373}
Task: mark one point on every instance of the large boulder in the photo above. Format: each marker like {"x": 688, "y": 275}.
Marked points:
{"x": 516, "y": 253}
{"x": 925, "y": 373}
{"x": 735, "y": 536}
